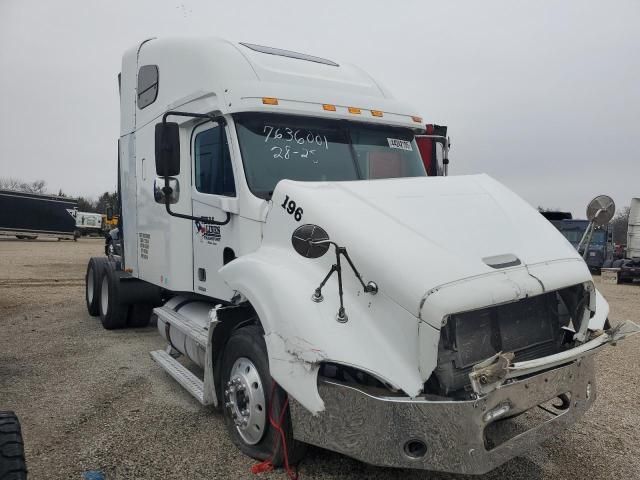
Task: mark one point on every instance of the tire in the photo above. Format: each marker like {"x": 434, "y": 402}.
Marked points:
{"x": 12, "y": 462}
{"x": 92, "y": 278}
{"x": 246, "y": 351}
{"x": 139, "y": 315}
{"x": 113, "y": 313}
{"x": 26, "y": 237}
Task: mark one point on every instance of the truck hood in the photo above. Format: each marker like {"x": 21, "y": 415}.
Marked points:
{"x": 413, "y": 236}
{"x": 434, "y": 246}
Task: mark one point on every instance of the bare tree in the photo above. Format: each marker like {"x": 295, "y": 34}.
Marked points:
{"x": 39, "y": 186}
{"x": 9, "y": 183}
{"x": 620, "y": 224}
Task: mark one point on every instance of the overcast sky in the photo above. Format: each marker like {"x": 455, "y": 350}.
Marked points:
{"x": 542, "y": 95}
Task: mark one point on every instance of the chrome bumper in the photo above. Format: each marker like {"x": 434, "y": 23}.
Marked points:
{"x": 376, "y": 429}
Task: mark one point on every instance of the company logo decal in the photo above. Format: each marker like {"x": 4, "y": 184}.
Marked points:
{"x": 209, "y": 233}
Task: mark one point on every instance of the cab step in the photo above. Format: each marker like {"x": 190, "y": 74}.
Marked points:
{"x": 182, "y": 375}
{"x": 191, "y": 329}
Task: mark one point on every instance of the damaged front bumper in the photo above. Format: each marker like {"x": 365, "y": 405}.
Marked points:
{"x": 486, "y": 376}
{"x": 471, "y": 437}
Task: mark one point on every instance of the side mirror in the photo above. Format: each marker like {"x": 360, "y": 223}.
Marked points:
{"x": 158, "y": 191}
{"x": 310, "y": 241}
{"x": 167, "y": 149}
{"x": 109, "y": 213}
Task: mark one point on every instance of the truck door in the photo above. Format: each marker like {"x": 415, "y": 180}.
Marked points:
{"x": 212, "y": 186}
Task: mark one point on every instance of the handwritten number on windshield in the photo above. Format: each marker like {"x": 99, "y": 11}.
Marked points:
{"x": 291, "y": 135}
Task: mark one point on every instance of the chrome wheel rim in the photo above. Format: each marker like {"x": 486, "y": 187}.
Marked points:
{"x": 245, "y": 400}
{"x": 104, "y": 296}
{"x": 90, "y": 285}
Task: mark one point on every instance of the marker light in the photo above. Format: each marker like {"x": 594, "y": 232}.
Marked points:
{"x": 417, "y": 119}
{"x": 329, "y": 108}
{"x": 354, "y": 110}
{"x": 376, "y": 113}
{"x": 269, "y": 101}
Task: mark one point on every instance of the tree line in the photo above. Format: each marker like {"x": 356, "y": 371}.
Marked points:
{"x": 85, "y": 204}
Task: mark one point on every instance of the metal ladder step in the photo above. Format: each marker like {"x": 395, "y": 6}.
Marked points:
{"x": 181, "y": 374}
{"x": 192, "y": 330}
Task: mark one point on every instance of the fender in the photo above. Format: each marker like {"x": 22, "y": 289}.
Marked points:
{"x": 380, "y": 337}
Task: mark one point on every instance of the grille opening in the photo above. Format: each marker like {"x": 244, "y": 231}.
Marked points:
{"x": 350, "y": 375}
{"x": 533, "y": 327}
{"x": 504, "y": 429}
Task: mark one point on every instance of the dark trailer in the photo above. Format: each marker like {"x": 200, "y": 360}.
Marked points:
{"x": 30, "y": 215}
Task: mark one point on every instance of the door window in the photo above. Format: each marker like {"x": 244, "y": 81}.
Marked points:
{"x": 213, "y": 171}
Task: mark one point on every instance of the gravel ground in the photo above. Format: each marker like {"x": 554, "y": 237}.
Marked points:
{"x": 91, "y": 399}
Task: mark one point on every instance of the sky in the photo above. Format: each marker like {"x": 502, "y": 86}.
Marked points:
{"x": 542, "y": 95}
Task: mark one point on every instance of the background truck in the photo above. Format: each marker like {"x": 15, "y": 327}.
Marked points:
{"x": 30, "y": 215}
{"x": 600, "y": 248}
{"x": 88, "y": 223}
{"x": 629, "y": 266}
{"x": 278, "y": 220}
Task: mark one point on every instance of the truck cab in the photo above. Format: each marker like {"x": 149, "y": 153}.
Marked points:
{"x": 282, "y": 223}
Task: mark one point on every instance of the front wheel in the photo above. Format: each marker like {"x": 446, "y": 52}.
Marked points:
{"x": 249, "y": 395}
{"x": 12, "y": 463}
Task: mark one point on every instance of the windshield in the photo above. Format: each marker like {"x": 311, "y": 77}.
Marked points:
{"x": 574, "y": 235}
{"x": 275, "y": 147}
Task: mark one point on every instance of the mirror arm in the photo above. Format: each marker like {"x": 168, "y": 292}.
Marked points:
{"x": 446, "y": 144}
{"x": 167, "y": 190}
{"x": 370, "y": 287}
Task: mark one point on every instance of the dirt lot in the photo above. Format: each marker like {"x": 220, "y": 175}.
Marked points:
{"x": 91, "y": 399}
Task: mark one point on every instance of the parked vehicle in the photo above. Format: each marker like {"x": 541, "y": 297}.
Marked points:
{"x": 109, "y": 222}
{"x": 629, "y": 265}
{"x": 30, "y": 215}
{"x": 633, "y": 229}
{"x": 277, "y": 217}
{"x": 600, "y": 247}
{"x": 88, "y": 223}
{"x": 600, "y": 250}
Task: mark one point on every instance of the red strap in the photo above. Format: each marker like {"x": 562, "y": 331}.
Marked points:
{"x": 267, "y": 465}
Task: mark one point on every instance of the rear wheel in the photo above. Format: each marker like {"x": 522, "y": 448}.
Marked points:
{"x": 95, "y": 268}
{"x": 12, "y": 462}
{"x": 113, "y": 313}
{"x": 249, "y": 393}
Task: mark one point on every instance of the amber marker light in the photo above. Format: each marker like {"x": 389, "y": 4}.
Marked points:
{"x": 354, "y": 110}
{"x": 329, "y": 107}
{"x": 376, "y": 113}
{"x": 269, "y": 101}
{"x": 417, "y": 119}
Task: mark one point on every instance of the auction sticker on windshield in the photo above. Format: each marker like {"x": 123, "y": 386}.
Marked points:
{"x": 400, "y": 144}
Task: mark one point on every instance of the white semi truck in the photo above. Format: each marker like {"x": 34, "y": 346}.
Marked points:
{"x": 277, "y": 217}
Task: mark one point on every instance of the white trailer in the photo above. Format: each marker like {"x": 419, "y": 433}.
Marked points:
{"x": 88, "y": 223}
{"x": 633, "y": 229}
{"x": 277, "y": 218}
